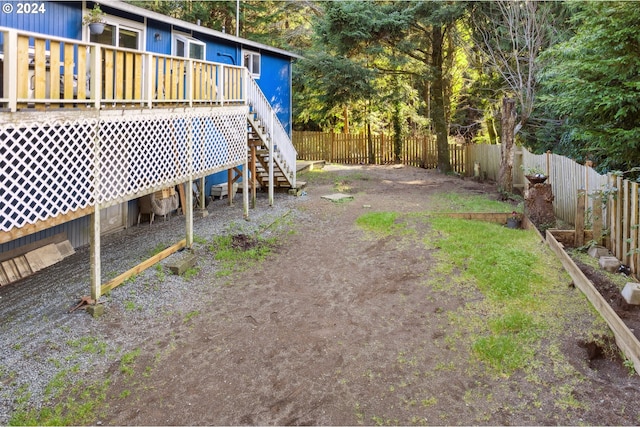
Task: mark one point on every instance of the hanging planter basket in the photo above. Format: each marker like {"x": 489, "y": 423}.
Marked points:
{"x": 96, "y": 28}
{"x": 537, "y": 178}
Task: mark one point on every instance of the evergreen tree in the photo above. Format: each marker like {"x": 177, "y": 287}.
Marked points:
{"x": 592, "y": 83}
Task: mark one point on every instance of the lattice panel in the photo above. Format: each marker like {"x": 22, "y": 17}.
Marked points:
{"x": 218, "y": 141}
{"x": 47, "y": 169}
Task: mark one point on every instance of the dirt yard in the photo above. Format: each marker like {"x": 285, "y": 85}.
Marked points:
{"x": 339, "y": 327}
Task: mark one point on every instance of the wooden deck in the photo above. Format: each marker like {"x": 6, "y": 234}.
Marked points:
{"x": 44, "y": 72}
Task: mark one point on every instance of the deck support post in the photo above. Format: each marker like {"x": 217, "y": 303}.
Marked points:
{"x": 253, "y": 176}
{"x": 271, "y": 142}
{"x": 245, "y": 189}
{"x": 189, "y": 213}
{"x": 230, "y": 186}
{"x": 94, "y": 254}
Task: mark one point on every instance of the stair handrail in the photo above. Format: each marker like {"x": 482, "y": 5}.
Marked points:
{"x": 285, "y": 153}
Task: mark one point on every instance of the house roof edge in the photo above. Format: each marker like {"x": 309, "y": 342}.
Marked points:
{"x": 126, "y": 7}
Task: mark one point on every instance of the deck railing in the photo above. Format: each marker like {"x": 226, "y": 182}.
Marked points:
{"x": 285, "y": 152}
{"x": 41, "y": 71}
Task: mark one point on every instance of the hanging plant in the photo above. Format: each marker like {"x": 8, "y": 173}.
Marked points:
{"x": 94, "y": 19}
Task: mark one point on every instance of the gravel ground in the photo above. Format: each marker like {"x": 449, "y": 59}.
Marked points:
{"x": 41, "y": 338}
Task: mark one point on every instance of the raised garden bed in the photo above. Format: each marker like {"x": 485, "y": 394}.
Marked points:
{"x": 606, "y": 300}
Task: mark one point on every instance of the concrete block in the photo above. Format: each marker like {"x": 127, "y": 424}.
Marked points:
{"x": 598, "y": 251}
{"x": 96, "y": 310}
{"x": 337, "y": 197}
{"x": 200, "y": 213}
{"x": 631, "y": 293}
{"x": 182, "y": 264}
{"x": 609, "y": 263}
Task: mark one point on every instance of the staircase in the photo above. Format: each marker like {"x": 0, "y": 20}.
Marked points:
{"x": 270, "y": 141}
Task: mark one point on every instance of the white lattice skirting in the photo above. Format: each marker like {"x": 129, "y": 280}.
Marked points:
{"x": 56, "y": 163}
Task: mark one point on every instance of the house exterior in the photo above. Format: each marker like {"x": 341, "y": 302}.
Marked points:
{"x": 89, "y": 123}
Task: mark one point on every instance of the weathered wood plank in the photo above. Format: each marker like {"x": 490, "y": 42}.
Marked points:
{"x": 108, "y": 74}
{"x": 68, "y": 73}
{"x": 54, "y": 70}
{"x": 142, "y": 266}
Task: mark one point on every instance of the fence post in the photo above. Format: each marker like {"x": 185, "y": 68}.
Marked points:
{"x": 633, "y": 262}
{"x": 333, "y": 138}
{"x": 618, "y": 213}
{"x": 579, "y": 236}
{"x": 597, "y": 218}
{"x": 624, "y": 254}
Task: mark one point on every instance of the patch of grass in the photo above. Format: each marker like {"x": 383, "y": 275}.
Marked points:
{"x": 160, "y": 274}
{"x": 157, "y": 249}
{"x": 190, "y": 315}
{"x": 89, "y": 344}
{"x": 457, "y": 202}
{"x": 501, "y": 261}
{"x": 128, "y": 360}
{"x": 190, "y": 273}
{"x": 130, "y": 305}
{"x": 503, "y": 353}
{"x": 516, "y": 274}
{"x": 234, "y": 259}
{"x": 380, "y": 222}
{"x": 67, "y": 402}
{"x": 199, "y": 240}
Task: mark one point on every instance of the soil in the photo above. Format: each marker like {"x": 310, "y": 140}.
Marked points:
{"x": 629, "y": 314}
{"x": 337, "y": 327}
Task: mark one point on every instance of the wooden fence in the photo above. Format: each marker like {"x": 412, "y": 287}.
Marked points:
{"x": 419, "y": 150}
{"x": 620, "y": 197}
{"x": 620, "y": 217}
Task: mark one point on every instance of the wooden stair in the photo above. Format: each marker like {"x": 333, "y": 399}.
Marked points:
{"x": 259, "y": 139}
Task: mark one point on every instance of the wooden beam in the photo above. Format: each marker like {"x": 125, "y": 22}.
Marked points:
{"x": 627, "y": 342}
{"x": 230, "y": 186}
{"x": 253, "y": 176}
{"x": 143, "y": 266}
{"x": 16, "y": 233}
{"x": 94, "y": 255}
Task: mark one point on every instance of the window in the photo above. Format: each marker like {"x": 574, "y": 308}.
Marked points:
{"x": 252, "y": 63}
{"x": 121, "y": 33}
{"x": 188, "y": 47}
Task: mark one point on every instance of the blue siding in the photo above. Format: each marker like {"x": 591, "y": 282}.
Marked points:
{"x": 275, "y": 83}
{"x": 219, "y": 51}
{"x": 163, "y": 45}
{"x": 61, "y": 19}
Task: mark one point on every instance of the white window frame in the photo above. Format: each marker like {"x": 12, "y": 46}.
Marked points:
{"x": 187, "y": 40}
{"x": 252, "y": 55}
{"x": 126, "y": 24}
